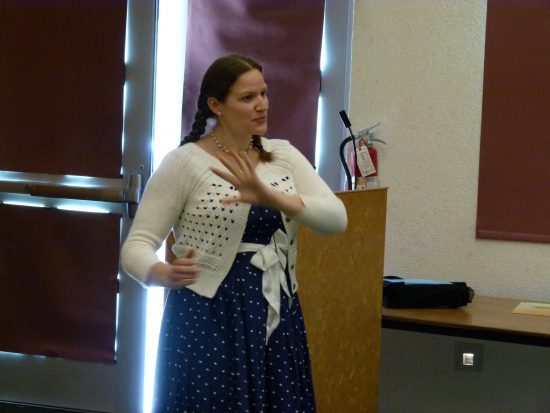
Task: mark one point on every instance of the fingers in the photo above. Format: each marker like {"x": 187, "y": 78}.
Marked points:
{"x": 240, "y": 159}
{"x": 237, "y": 164}
{"x": 181, "y": 281}
{"x": 190, "y": 253}
{"x": 247, "y": 162}
{"x": 179, "y": 273}
{"x": 230, "y": 199}
{"x": 225, "y": 176}
{"x": 242, "y": 175}
{"x": 184, "y": 269}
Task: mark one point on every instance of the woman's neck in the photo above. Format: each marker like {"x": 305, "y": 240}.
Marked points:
{"x": 226, "y": 142}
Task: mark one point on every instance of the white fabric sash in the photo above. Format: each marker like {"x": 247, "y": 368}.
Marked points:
{"x": 271, "y": 259}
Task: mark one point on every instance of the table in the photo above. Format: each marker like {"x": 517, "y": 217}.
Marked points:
{"x": 488, "y": 318}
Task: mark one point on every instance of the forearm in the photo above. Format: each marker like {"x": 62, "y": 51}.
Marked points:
{"x": 137, "y": 258}
{"x": 322, "y": 211}
{"x": 154, "y": 219}
{"x": 326, "y": 215}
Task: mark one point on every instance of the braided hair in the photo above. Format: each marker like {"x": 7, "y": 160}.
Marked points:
{"x": 217, "y": 81}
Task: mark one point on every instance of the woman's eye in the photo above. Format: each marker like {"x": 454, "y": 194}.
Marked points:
{"x": 246, "y": 98}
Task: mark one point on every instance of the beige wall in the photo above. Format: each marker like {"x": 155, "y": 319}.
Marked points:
{"x": 417, "y": 67}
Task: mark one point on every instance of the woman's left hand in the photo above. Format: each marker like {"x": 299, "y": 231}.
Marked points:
{"x": 251, "y": 189}
{"x": 243, "y": 177}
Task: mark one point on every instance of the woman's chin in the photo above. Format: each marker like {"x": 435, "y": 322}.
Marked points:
{"x": 261, "y": 131}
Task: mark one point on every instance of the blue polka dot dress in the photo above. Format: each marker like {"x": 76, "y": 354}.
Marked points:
{"x": 212, "y": 354}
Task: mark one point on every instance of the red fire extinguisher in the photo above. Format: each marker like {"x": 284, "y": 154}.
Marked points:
{"x": 372, "y": 180}
{"x": 360, "y": 181}
{"x": 366, "y": 138}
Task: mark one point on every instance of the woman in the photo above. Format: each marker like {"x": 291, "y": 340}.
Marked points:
{"x": 232, "y": 336}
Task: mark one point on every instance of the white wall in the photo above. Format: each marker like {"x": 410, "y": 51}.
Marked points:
{"x": 417, "y": 67}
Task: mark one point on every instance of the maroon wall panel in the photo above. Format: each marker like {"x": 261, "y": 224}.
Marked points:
{"x": 285, "y": 37}
{"x": 514, "y": 170}
{"x": 61, "y": 83}
{"x": 58, "y": 283}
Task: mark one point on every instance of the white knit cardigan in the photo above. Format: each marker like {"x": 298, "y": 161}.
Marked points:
{"x": 183, "y": 195}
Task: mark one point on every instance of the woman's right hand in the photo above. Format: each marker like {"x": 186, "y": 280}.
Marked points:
{"x": 178, "y": 273}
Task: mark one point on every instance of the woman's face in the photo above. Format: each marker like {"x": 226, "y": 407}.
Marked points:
{"x": 244, "y": 111}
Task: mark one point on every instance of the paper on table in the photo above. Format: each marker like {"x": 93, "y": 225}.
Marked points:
{"x": 532, "y": 309}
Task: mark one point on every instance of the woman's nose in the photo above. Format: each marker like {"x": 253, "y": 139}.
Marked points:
{"x": 263, "y": 104}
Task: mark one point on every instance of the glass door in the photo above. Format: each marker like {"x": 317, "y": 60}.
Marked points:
{"x": 92, "y": 386}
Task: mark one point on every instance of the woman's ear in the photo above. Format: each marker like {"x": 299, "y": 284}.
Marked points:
{"x": 214, "y": 105}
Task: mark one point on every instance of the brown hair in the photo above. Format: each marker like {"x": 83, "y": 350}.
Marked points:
{"x": 216, "y": 82}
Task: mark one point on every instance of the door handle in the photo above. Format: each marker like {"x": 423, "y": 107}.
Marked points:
{"x": 131, "y": 195}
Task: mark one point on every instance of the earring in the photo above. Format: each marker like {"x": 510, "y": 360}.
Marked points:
{"x": 219, "y": 113}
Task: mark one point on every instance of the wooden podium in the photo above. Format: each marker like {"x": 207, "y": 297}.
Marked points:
{"x": 340, "y": 287}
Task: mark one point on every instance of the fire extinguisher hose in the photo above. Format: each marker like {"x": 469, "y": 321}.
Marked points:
{"x": 343, "y": 160}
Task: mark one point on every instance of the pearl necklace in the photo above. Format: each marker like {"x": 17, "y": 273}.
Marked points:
{"x": 223, "y": 148}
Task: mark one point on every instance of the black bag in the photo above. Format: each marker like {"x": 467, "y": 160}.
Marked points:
{"x": 417, "y": 293}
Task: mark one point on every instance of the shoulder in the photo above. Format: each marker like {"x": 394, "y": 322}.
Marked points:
{"x": 283, "y": 151}
{"x": 281, "y": 148}
{"x": 188, "y": 156}
{"x": 276, "y": 145}
{"x": 188, "y": 151}
{"x": 187, "y": 163}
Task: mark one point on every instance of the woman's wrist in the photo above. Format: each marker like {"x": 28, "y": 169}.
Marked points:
{"x": 154, "y": 274}
{"x": 290, "y": 205}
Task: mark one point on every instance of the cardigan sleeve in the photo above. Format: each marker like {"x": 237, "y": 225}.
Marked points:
{"x": 161, "y": 204}
{"x": 323, "y": 211}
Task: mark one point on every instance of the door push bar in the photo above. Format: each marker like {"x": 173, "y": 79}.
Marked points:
{"x": 131, "y": 195}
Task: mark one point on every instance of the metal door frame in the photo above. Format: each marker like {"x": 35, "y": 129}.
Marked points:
{"x": 94, "y": 387}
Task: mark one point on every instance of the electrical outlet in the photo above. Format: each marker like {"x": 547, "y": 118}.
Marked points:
{"x": 468, "y": 356}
